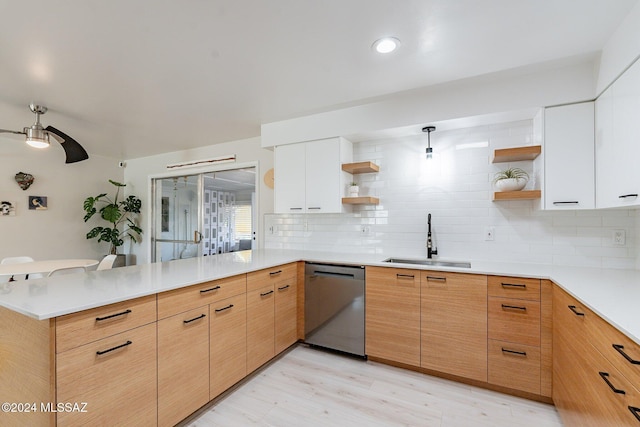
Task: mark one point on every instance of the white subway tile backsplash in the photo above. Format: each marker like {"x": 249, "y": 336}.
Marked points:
{"x": 456, "y": 188}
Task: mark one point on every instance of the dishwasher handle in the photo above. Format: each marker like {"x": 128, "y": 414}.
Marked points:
{"x": 332, "y": 274}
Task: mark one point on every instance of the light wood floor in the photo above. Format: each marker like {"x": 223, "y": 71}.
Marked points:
{"x": 308, "y": 387}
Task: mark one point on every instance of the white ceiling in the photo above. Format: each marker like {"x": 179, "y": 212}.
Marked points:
{"x": 131, "y": 78}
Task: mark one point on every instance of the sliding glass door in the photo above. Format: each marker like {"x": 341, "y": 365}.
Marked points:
{"x": 203, "y": 214}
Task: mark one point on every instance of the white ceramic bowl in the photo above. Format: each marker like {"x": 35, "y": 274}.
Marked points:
{"x": 511, "y": 184}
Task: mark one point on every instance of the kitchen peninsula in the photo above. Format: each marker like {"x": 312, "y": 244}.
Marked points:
{"x": 35, "y": 313}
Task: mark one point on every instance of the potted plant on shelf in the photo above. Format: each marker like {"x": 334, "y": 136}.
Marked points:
{"x": 121, "y": 216}
{"x": 354, "y": 189}
{"x": 511, "y": 179}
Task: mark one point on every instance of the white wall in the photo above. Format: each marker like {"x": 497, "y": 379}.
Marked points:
{"x": 59, "y": 231}
{"x": 138, "y": 171}
{"x": 457, "y": 190}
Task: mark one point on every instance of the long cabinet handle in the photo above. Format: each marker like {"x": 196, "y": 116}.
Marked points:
{"x": 316, "y": 208}
{"x": 620, "y": 349}
{"x": 101, "y": 352}
{"x": 295, "y": 209}
{"x": 266, "y": 293}
{"x": 605, "y": 378}
{"x": 405, "y": 276}
{"x": 514, "y": 285}
{"x": 576, "y": 312}
{"x": 111, "y": 316}
{"x": 567, "y": 203}
{"x": 624, "y": 196}
{"x": 273, "y": 273}
{"x": 436, "y": 279}
{"x": 635, "y": 411}
{"x": 283, "y": 288}
{"x": 519, "y": 353}
{"x": 202, "y": 316}
{"x": 215, "y": 288}
{"x": 218, "y": 310}
{"x": 513, "y": 307}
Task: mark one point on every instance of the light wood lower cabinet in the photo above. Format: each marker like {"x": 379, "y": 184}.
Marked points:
{"x": 183, "y": 365}
{"x": 260, "y": 327}
{"x": 228, "y": 343}
{"x": 286, "y": 311}
{"x": 115, "y": 376}
{"x": 392, "y": 311}
{"x": 589, "y": 387}
{"x": 454, "y": 324}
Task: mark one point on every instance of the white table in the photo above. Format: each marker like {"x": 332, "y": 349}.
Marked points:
{"x": 44, "y": 266}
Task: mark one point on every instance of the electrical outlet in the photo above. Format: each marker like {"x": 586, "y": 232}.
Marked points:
{"x": 619, "y": 237}
{"x": 489, "y": 233}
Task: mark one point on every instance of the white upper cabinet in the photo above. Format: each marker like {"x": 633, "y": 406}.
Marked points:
{"x": 309, "y": 176}
{"x": 618, "y": 142}
{"x": 569, "y": 181}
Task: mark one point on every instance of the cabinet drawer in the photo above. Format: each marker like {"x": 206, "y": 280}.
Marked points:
{"x": 261, "y": 278}
{"x": 189, "y": 298}
{"x": 514, "y": 287}
{"x": 514, "y": 366}
{"x": 87, "y": 326}
{"x": 514, "y": 320}
{"x": 115, "y": 376}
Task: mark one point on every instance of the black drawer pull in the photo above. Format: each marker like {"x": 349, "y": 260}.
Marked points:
{"x": 215, "y": 288}
{"x": 273, "y": 273}
{"x": 624, "y": 196}
{"x": 519, "y": 353}
{"x": 194, "y": 319}
{"x": 405, "y": 276}
{"x": 266, "y": 293}
{"x": 605, "y": 377}
{"x": 513, "y": 307}
{"x": 619, "y": 348}
{"x": 635, "y": 411}
{"x": 436, "y": 279}
{"x": 576, "y": 312}
{"x": 218, "y": 310}
{"x": 317, "y": 208}
{"x": 283, "y": 288}
{"x": 111, "y": 316}
{"x": 514, "y": 285}
{"x": 101, "y": 352}
{"x": 566, "y": 203}
{"x": 295, "y": 209}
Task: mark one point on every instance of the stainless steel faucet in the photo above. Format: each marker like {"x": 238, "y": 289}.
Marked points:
{"x": 430, "y": 249}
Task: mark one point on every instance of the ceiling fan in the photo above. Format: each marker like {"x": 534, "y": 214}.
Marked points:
{"x": 38, "y": 137}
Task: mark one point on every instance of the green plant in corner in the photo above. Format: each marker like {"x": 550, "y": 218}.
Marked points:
{"x": 119, "y": 213}
{"x": 511, "y": 173}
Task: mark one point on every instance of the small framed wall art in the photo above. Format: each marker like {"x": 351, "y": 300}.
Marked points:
{"x": 7, "y": 208}
{"x": 38, "y": 203}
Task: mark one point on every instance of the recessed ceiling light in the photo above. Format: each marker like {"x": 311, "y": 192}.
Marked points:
{"x": 386, "y": 45}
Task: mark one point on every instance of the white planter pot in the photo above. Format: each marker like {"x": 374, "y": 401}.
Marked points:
{"x": 354, "y": 190}
{"x": 511, "y": 184}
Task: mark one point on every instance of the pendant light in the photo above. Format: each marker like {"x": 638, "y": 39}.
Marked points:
{"x": 429, "y": 150}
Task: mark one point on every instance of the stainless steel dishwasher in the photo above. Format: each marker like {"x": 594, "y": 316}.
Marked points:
{"x": 334, "y": 307}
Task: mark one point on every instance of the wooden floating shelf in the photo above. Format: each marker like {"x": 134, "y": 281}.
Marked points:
{"x": 360, "y": 167}
{"x": 516, "y": 195}
{"x": 516, "y": 154}
{"x": 365, "y": 200}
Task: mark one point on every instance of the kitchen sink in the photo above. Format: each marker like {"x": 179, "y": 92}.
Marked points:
{"x": 431, "y": 262}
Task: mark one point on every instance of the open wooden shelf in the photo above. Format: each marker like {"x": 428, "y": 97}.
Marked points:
{"x": 360, "y": 167}
{"x": 364, "y": 200}
{"x": 529, "y": 152}
{"x": 516, "y": 195}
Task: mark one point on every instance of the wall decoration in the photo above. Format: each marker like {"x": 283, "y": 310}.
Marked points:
{"x": 24, "y": 180}
{"x": 38, "y": 203}
{"x": 7, "y": 208}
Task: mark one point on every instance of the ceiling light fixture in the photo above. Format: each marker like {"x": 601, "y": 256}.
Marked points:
{"x": 386, "y": 45}
{"x": 429, "y": 150}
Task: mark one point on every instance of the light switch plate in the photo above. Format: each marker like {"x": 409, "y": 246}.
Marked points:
{"x": 619, "y": 237}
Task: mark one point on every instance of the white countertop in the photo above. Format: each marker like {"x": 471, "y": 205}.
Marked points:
{"x": 613, "y": 294}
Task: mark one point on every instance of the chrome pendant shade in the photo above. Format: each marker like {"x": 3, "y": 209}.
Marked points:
{"x": 429, "y": 150}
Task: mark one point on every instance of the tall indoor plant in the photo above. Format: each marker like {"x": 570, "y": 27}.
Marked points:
{"x": 120, "y": 214}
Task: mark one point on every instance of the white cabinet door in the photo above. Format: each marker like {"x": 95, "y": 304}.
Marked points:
{"x": 289, "y": 178}
{"x": 323, "y": 176}
{"x": 618, "y": 142}
{"x": 569, "y": 157}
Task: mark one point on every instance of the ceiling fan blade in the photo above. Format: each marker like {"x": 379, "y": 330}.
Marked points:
{"x": 75, "y": 152}
{"x": 11, "y": 131}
